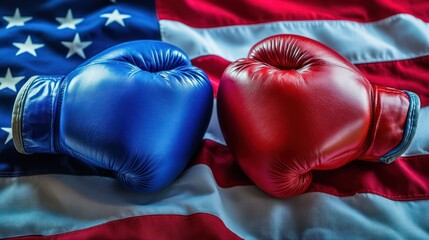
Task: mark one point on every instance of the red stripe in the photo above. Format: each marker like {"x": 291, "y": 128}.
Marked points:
{"x": 411, "y": 74}
{"x": 404, "y": 179}
{"x": 213, "y": 66}
{"x": 213, "y": 13}
{"x": 195, "y": 226}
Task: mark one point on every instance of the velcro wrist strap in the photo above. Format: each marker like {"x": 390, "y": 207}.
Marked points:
{"x": 395, "y": 117}
{"x": 33, "y": 115}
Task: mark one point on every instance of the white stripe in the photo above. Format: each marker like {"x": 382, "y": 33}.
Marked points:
{"x": 397, "y": 37}
{"x": 419, "y": 145}
{"x": 53, "y": 204}
{"x": 213, "y": 131}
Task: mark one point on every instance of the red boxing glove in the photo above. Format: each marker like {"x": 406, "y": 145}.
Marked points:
{"x": 295, "y": 105}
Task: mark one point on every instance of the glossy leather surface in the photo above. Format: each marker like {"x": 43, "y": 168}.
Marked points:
{"x": 139, "y": 109}
{"x": 295, "y": 105}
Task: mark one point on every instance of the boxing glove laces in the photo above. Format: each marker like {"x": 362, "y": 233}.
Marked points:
{"x": 294, "y": 105}
{"x": 139, "y": 109}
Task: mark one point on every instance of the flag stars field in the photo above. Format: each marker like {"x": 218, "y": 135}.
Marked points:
{"x": 115, "y": 16}
{"x": 8, "y": 81}
{"x": 16, "y": 20}
{"x": 76, "y": 46}
{"x": 68, "y": 21}
{"x": 27, "y": 47}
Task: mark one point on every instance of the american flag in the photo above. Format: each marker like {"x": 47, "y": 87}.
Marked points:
{"x": 54, "y": 196}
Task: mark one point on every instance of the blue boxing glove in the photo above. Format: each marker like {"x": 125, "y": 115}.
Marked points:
{"x": 139, "y": 109}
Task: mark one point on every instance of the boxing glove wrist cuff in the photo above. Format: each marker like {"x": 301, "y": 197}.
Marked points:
{"x": 33, "y": 115}
{"x": 394, "y": 125}
{"x": 409, "y": 131}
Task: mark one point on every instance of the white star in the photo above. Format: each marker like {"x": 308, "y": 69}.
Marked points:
{"x": 76, "y": 46}
{"x": 115, "y": 16}
{"x": 16, "y": 19}
{"x": 9, "y": 81}
{"x": 9, "y": 136}
{"x": 28, "y": 46}
{"x": 68, "y": 21}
